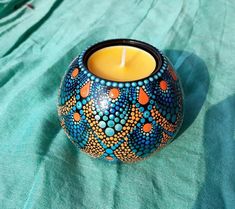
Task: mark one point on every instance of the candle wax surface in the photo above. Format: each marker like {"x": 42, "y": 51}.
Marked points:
{"x": 106, "y": 63}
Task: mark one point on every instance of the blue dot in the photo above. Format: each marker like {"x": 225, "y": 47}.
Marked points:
{"x": 109, "y": 131}
{"x": 142, "y": 120}
{"x": 111, "y": 123}
{"x": 79, "y": 105}
{"x": 97, "y": 117}
{"x": 109, "y": 151}
{"x": 118, "y": 127}
{"x": 102, "y": 124}
{"x": 102, "y": 82}
{"x": 112, "y": 110}
{"x": 141, "y": 109}
{"x": 78, "y": 97}
{"x": 108, "y": 83}
{"x": 83, "y": 101}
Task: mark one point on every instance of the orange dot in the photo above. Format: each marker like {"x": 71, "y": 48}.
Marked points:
{"x": 114, "y": 93}
{"x": 143, "y": 97}
{"x": 85, "y": 90}
{"x": 163, "y": 85}
{"x": 172, "y": 72}
{"x": 147, "y": 127}
{"x": 75, "y": 72}
{"x": 76, "y": 116}
{"x": 109, "y": 158}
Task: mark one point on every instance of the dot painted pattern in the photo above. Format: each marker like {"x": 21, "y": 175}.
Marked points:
{"x": 120, "y": 121}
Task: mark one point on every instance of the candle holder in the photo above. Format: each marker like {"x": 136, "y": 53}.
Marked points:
{"x": 120, "y": 121}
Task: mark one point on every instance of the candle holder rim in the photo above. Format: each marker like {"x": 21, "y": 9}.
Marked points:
{"x": 161, "y": 62}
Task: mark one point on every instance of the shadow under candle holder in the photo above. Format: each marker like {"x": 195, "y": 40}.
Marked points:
{"x": 194, "y": 77}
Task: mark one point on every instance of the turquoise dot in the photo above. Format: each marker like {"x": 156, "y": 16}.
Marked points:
{"x": 118, "y": 127}
{"x": 109, "y": 131}
{"x": 146, "y": 81}
{"x": 102, "y": 124}
{"x": 134, "y": 84}
{"x": 141, "y": 109}
{"x": 111, "y": 117}
{"x": 150, "y": 107}
{"x": 116, "y": 120}
{"x": 146, "y": 114}
{"x": 111, "y": 123}
{"x": 108, "y": 83}
{"x": 127, "y": 84}
{"x": 79, "y": 105}
{"x": 106, "y": 112}
{"x": 173, "y": 118}
{"x": 105, "y": 118}
{"x": 83, "y": 101}
{"x": 151, "y": 102}
{"x": 100, "y": 114}
{"x": 168, "y": 116}
{"x": 120, "y": 85}
{"x": 123, "y": 121}
{"x": 121, "y": 116}
{"x": 102, "y": 82}
{"x": 97, "y": 117}
{"x": 109, "y": 151}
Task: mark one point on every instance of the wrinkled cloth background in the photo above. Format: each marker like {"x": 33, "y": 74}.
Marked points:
{"x": 40, "y": 168}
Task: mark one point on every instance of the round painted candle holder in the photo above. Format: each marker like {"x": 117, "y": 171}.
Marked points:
{"x": 120, "y": 121}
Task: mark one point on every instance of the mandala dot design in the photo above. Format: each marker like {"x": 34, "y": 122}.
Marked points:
{"x": 118, "y": 121}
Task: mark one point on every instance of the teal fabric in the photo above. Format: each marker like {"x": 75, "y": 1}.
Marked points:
{"x": 40, "y": 168}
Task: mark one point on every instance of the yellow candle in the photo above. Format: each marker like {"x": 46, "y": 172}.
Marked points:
{"x": 121, "y": 63}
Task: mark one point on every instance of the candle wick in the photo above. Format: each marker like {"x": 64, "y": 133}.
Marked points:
{"x": 123, "y": 61}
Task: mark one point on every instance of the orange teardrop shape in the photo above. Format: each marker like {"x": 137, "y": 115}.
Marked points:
{"x": 173, "y": 74}
{"x": 75, "y": 73}
{"x": 143, "y": 97}
{"x": 85, "y": 90}
{"x": 163, "y": 85}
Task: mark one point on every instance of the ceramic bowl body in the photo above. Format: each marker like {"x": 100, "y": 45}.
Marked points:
{"x": 120, "y": 121}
